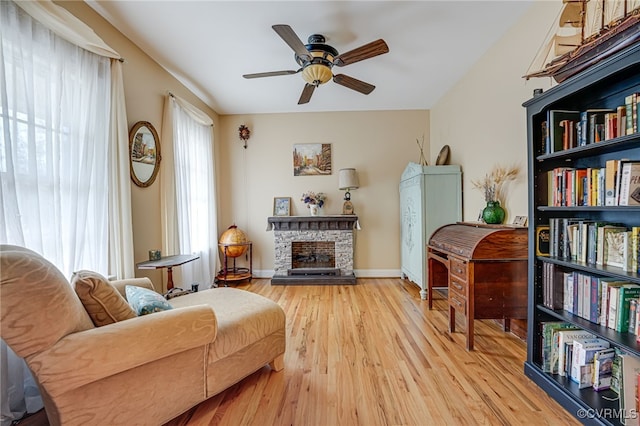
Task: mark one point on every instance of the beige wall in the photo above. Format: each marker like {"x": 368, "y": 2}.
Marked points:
{"x": 378, "y": 144}
{"x": 481, "y": 119}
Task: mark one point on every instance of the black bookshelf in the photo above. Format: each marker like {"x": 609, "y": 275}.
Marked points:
{"x": 604, "y": 85}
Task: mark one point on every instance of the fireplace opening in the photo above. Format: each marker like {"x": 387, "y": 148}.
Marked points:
{"x": 313, "y": 254}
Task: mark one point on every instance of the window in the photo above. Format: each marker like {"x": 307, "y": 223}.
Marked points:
{"x": 54, "y": 127}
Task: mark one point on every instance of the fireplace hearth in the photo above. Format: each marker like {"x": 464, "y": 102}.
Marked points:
{"x": 313, "y": 249}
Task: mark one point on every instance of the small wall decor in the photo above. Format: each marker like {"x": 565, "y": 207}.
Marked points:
{"x": 144, "y": 153}
{"x": 282, "y": 206}
{"x": 244, "y": 133}
{"x": 312, "y": 159}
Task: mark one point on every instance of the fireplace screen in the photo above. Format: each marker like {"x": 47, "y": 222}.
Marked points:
{"x": 313, "y": 254}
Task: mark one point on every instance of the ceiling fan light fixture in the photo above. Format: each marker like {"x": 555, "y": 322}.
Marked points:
{"x": 317, "y": 74}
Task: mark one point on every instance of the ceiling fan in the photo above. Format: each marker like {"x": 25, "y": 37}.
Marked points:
{"x": 316, "y": 60}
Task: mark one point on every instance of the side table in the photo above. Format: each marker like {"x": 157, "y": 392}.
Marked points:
{"x": 168, "y": 262}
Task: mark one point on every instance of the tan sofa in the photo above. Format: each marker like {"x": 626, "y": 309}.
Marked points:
{"x": 144, "y": 370}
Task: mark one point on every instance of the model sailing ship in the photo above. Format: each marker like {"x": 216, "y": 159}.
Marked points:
{"x": 587, "y": 32}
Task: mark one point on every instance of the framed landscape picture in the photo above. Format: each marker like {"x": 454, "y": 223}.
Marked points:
{"x": 311, "y": 159}
{"x": 282, "y": 206}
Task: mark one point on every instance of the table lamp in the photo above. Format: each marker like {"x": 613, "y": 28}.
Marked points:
{"x": 347, "y": 180}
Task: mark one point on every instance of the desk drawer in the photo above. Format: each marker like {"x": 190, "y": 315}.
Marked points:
{"x": 458, "y": 267}
{"x": 458, "y": 286}
{"x": 457, "y": 302}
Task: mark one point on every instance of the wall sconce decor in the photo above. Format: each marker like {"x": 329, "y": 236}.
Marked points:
{"x": 244, "y": 133}
{"x": 347, "y": 180}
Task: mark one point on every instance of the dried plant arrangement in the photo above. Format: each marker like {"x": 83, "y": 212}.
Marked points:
{"x": 493, "y": 184}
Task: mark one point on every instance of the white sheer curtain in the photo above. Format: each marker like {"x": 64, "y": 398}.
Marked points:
{"x": 121, "y": 263}
{"x": 55, "y": 128}
{"x": 188, "y": 188}
{"x": 54, "y": 144}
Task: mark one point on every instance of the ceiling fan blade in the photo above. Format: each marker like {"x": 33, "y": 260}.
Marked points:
{"x": 305, "y": 97}
{"x": 292, "y": 39}
{"x": 270, "y": 74}
{"x": 354, "y": 84}
{"x": 361, "y": 53}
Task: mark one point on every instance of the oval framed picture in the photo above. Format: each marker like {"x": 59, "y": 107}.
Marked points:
{"x": 144, "y": 153}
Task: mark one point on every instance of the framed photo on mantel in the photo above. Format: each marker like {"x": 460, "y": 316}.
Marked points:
{"x": 282, "y": 206}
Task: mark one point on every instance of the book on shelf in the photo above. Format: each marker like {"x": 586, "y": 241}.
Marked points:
{"x": 548, "y": 329}
{"x": 593, "y": 186}
{"x": 553, "y": 291}
{"x": 556, "y": 130}
{"x": 542, "y": 240}
{"x": 568, "y": 134}
{"x": 601, "y": 246}
{"x": 591, "y": 125}
{"x": 616, "y": 371}
{"x": 633, "y": 316}
{"x": 592, "y": 249}
{"x": 607, "y": 284}
{"x": 614, "y": 300}
{"x": 614, "y": 246}
{"x": 631, "y": 106}
{"x": 584, "y": 350}
{"x": 635, "y": 249}
{"x": 629, "y": 370}
{"x": 630, "y": 250}
{"x": 611, "y": 125}
{"x": 611, "y": 170}
{"x": 596, "y": 297}
{"x": 565, "y": 339}
{"x": 621, "y": 117}
{"x": 630, "y": 184}
{"x": 568, "y": 296}
{"x": 615, "y": 123}
{"x": 602, "y": 369}
{"x": 637, "y": 330}
{"x": 544, "y": 137}
{"x": 627, "y": 293}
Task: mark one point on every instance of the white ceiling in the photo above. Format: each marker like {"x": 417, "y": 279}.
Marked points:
{"x": 209, "y": 45}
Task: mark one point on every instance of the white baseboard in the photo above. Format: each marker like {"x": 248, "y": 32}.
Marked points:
{"x": 377, "y": 273}
{"x": 360, "y": 273}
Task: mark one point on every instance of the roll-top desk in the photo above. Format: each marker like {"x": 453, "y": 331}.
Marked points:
{"x": 485, "y": 269}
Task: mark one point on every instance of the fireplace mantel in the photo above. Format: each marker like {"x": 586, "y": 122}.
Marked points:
{"x": 312, "y": 223}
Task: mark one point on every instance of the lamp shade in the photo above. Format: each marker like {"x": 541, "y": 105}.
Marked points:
{"x": 348, "y": 179}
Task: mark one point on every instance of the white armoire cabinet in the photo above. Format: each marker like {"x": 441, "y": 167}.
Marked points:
{"x": 430, "y": 196}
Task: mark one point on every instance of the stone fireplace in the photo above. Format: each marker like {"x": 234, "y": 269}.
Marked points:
{"x": 313, "y": 249}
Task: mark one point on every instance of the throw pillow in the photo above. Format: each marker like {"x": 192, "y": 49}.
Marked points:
{"x": 104, "y": 304}
{"x": 145, "y": 301}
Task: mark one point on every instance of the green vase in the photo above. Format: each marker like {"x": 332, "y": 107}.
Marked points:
{"x": 493, "y": 213}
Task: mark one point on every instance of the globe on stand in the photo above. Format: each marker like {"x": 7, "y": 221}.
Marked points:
{"x": 234, "y": 239}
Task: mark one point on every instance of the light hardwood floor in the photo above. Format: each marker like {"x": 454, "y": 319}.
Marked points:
{"x": 373, "y": 354}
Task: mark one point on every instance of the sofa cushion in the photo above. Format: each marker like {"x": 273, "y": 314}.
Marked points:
{"x": 145, "y": 301}
{"x": 101, "y": 300}
{"x": 244, "y": 318}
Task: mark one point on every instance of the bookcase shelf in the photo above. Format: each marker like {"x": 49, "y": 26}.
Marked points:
{"x": 608, "y": 146}
{"x": 625, "y": 339}
{"x": 604, "y": 85}
{"x": 624, "y": 209}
